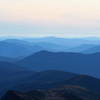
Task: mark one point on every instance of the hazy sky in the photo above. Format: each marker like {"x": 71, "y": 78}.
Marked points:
{"x": 72, "y": 18}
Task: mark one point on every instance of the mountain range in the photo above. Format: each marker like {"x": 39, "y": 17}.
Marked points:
{"x": 50, "y": 68}
{"x": 19, "y": 48}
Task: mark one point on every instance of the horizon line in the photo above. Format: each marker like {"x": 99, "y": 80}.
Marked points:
{"x": 12, "y": 37}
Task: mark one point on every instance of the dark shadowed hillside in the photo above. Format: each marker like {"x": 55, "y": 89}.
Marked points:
{"x": 43, "y": 80}
{"x": 25, "y": 80}
{"x": 10, "y": 74}
{"x": 48, "y": 81}
{"x": 85, "y": 81}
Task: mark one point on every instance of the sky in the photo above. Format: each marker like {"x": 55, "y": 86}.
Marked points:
{"x": 61, "y": 18}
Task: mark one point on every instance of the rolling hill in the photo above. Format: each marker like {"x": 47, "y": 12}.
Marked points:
{"x": 70, "y": 62}
{"x": 15, "y": 77}
{"x": 85, "y": 81}
{"x": 43, "y": 80}
{"x": 91, "y": 50}
{"x": 82, "y": 48}
{"x": 16, "y": 48}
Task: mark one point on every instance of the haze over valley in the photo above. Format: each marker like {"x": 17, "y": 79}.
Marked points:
{"x": 49, "y": 49}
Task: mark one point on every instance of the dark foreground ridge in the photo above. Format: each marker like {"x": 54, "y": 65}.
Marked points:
{"x": 79, "y": 87}
{"x": 65, "y": 93}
